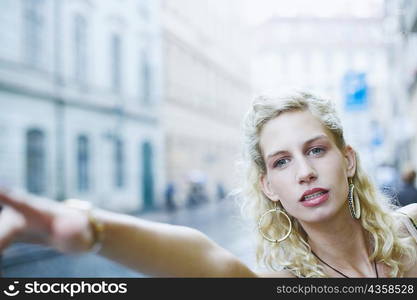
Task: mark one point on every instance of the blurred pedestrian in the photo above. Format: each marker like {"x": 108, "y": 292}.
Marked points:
{"x": 196, "y": 194}
{"x": 408, "y": 191}
{"x": 169, "y": 197}
{"x": 221, "y": 194}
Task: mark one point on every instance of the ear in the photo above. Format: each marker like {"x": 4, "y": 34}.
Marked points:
{"x": 350, "y": 156}
{"x": 266, "y": 188}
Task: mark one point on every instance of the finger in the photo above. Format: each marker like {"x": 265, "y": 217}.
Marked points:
{"x": 24, "y": 203}
{"x": 11, "y": 224}
{"x": 12, "y": 199}
{"x": 39, "y": 213}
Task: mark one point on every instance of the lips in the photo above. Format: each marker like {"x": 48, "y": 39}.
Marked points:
{"x": 312, "y": 194}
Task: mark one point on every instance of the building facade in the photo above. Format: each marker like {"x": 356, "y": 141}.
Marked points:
{"x": 80, "y": 97}
{"x": 343, "y": 58}
{"x": 207, "y": 89}
{"x": 404, "y": 14}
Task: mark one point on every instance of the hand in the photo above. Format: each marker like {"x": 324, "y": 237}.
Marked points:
{"x": 30, "y": 219}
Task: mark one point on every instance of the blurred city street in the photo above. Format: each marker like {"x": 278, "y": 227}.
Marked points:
{"x": 220, "y": 221}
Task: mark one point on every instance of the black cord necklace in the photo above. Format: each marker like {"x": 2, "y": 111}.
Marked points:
{"x": 376, "y": 269}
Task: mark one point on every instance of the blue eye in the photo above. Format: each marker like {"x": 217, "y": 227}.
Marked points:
{"x": 316, "y": 151}
{"x": 280, "y": 162}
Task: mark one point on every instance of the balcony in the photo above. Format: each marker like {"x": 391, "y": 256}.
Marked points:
{"x": 410, "y": 15}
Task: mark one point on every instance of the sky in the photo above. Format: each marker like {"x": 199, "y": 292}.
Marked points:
{"x": 257, "y": 11}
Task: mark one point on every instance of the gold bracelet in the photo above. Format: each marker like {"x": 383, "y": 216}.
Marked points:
{"x": 96, "y": 226}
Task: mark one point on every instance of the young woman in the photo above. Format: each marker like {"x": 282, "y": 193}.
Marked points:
{"x": 318, "y": 214}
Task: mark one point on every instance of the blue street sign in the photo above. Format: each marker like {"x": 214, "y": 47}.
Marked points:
{"x": 377, "y": 135}
{"x": 355, "y": 90}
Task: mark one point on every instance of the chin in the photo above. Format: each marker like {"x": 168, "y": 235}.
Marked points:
{"x": 320, "y": 215}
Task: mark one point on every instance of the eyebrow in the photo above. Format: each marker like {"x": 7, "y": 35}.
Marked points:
{"x": 305, "y": 143}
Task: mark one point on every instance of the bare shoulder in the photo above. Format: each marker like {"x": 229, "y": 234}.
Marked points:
{"x": 410, "y": 210}
{"x": 277, "y": 274}
{"x": 412, "y": 272}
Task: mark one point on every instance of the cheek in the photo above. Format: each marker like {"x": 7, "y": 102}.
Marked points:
{"x": 333, "y": 167}
{"x": 334, "y": 174}
{"x": 284, "y": 187}
{"x": 280, "y": 183}
{"x": 289, "y": 206}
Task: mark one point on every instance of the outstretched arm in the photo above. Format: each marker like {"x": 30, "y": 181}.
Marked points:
{"x": 153, "y": 248}
{"x": 166, "y": 250}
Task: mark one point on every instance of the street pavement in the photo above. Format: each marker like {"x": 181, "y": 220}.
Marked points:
{"x": 220, "y": 221}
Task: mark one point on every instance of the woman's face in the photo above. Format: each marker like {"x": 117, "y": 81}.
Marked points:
{"x": 306, "y": 171}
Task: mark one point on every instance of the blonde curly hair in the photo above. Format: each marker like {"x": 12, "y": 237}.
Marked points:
{"x": 378, "y": 217}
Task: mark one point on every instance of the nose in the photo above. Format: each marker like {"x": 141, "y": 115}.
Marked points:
{"x": 305, "y": 173}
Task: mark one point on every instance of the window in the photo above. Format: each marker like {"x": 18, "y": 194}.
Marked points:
{"x": 33, "y": 31}
{"x": 83, "y": 157}
{"x": 116, "y": 62}
{"x": 80, "y": 48}
{"x": 35, "y": 161}
{"x": 146, "y": 74}
{"x": 144, "y": 8}
{"x": 147, "y": 174}
{"x": 119, "y": 163}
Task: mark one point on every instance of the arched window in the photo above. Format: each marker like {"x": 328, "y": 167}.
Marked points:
{"x": 144, "y": 8}
{"x": 116, "y": 66}
{"x": 33, "y": 26}
{"x": 119, "y": 161}
{"x": 146, "y": 75}
{"x": 83, "y": 163}
{"x": 35, "y": 161}
{"x": 147, "y": 175}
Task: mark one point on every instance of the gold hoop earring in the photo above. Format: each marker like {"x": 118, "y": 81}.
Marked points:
{"x": 279, "y": 211}
{"x": 353, "y": 200}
